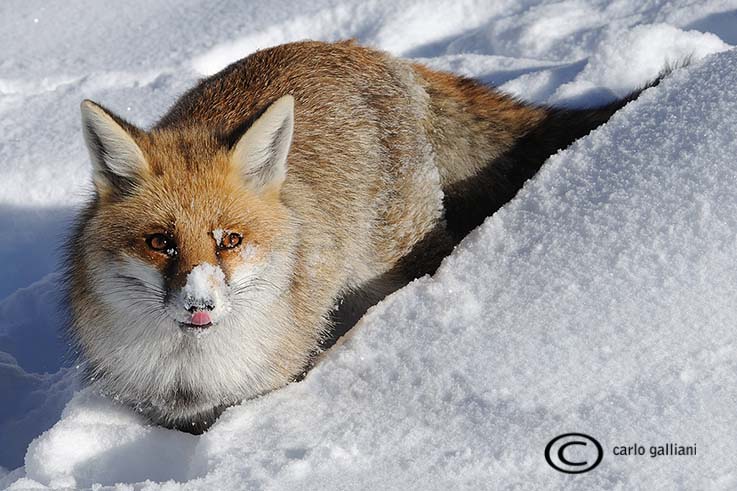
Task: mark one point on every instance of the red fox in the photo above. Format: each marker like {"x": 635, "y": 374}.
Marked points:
{"x": 208, "y": 265}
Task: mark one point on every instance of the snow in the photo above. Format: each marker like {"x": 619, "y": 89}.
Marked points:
{"x": 218, "y": 234}
{"x": 202, "y": 280}
{"x": 601, "y": 300}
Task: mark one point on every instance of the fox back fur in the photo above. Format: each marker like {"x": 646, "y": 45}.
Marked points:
{"x": 208, "y": 265}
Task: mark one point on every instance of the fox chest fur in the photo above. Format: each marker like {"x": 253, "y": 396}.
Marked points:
{"x": 208, "y": 267}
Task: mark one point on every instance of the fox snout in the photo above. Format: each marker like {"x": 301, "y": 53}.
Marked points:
{"x": 200, "y": 302}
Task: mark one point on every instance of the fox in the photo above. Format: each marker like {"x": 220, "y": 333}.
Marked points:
{"x": 221, "y": 247}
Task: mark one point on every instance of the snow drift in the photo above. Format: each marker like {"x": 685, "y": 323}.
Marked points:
{"x": 601, "y": 300}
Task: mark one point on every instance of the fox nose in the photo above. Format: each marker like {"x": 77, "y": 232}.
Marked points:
{"x": 193, "y": 305}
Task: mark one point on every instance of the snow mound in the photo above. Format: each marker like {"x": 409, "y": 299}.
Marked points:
{"x": 601, "y": 301}
{"x": 95, "y": 433}
{"x": 622, "y": 61}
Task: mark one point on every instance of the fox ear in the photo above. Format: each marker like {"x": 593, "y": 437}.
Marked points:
{"x": 117, "y": 161}
{"x": 261, "y": 153}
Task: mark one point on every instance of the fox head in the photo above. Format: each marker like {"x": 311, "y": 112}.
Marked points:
{"x": 186, "y": 256}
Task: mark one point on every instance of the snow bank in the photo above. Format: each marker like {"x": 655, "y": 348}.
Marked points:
{"x": 598, "y": 301}
{"x": 34, "y": 384}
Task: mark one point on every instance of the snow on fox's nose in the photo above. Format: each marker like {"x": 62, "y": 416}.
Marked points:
{"x": 201, "y": 295}
{"x": 193, "y": 304}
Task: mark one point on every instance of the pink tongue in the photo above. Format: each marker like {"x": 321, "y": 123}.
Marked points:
{"x": 200, "y": 318}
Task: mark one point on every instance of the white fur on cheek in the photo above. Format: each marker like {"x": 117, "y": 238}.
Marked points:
{"x": 131, "y": 284}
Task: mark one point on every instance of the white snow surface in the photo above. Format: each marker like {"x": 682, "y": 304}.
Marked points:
{"x": 600, "y": 300}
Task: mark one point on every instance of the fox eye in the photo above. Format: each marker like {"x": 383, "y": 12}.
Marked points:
{"x": 161, "y": 243}
{"x": 232, "y": 240}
